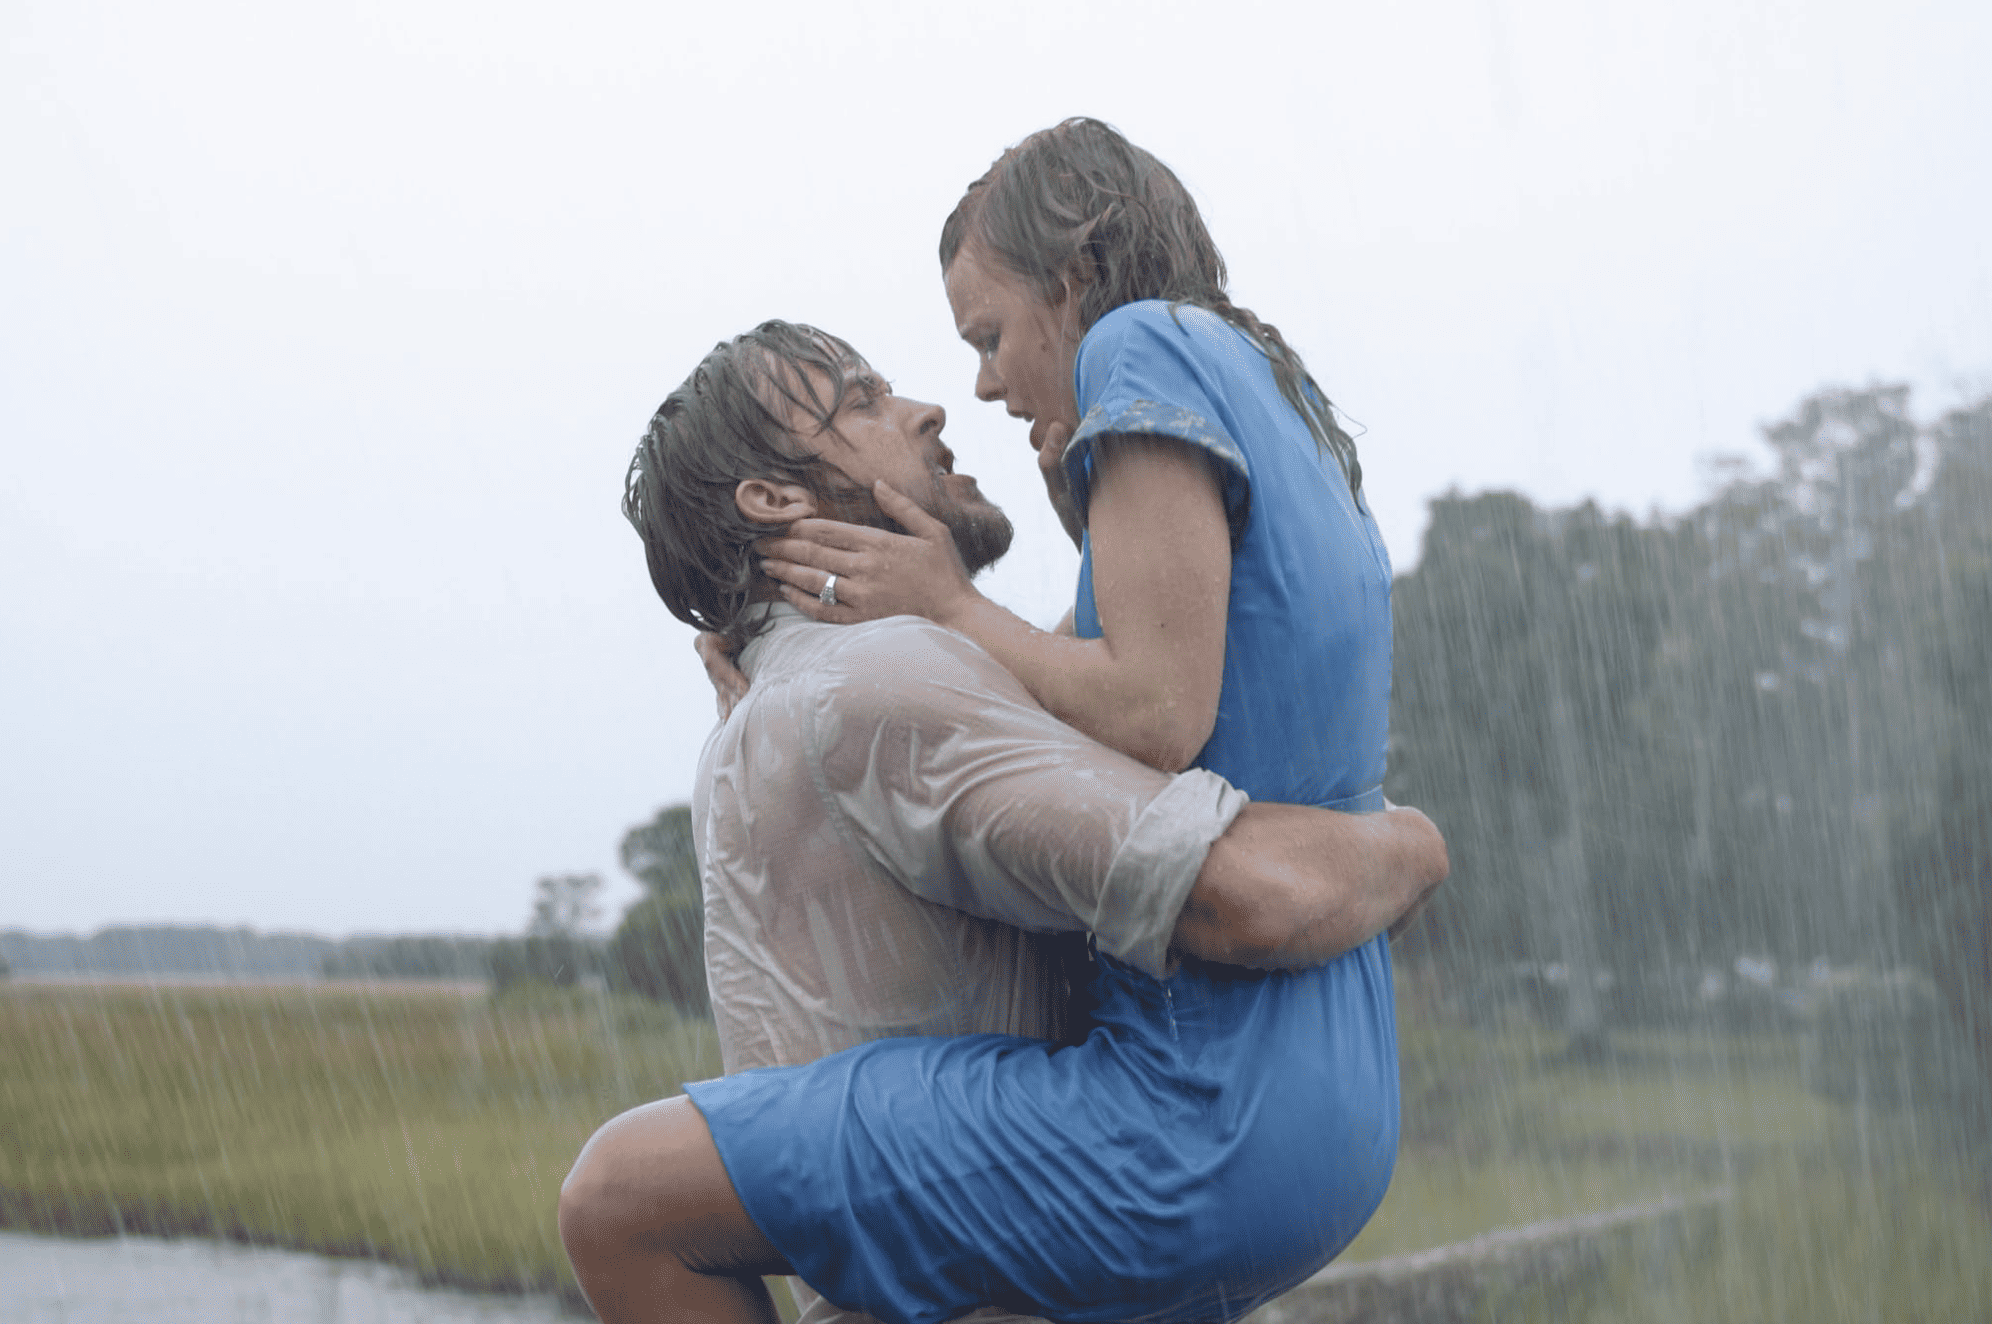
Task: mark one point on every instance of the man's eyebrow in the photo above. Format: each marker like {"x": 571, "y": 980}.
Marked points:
{"x": 861, "y": 386}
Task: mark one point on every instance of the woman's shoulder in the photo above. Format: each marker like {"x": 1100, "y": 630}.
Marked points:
{"x": 1156, "y": 317}
{"x": 1158, "y": 330}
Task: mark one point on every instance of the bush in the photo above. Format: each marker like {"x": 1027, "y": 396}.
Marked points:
{"x": 412, "y": 957}
{"x": 659, "y": 951}
{"x": 558, "y": 959}
{"x": 1880, "y": 1038}
{"x": 659, "y": 948}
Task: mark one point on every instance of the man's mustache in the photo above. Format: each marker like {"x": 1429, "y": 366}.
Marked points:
{"x": 982, "y": 537}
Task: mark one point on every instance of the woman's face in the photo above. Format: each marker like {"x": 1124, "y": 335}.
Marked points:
{"x": 1024, "y": 345}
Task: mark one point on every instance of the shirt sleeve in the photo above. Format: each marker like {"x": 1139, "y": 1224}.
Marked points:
{"x": 1161, "y": 370}
{"x": 949, "y": 776}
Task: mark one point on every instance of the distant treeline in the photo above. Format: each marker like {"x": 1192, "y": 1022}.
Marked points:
{"x": 1758, "y": 729}
{"x": 243, "y": 953}
{"x": 655, "y": 951}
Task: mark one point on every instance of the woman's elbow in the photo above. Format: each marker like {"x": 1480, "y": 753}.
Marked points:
{"x": 1169, "y": 741}
{"x": 1163, "y": 755}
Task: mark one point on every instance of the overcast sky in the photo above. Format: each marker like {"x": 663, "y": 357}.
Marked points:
{"x": 328, "y": 331}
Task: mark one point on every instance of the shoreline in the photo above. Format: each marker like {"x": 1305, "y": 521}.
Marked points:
{"x": 107, "y": 1217}
{"x": 427, "y": 1127}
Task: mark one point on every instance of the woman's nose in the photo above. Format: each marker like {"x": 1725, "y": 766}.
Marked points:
{"x": 988, "y": 386}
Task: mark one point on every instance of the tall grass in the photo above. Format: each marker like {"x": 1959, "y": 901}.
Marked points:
{"x": 1841, "y": 1215}
{"x": 433, "y": 1130}
{"x": 420, "y": 1127}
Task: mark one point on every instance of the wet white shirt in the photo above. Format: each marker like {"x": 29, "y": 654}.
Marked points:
{"x": 883, "y": 818}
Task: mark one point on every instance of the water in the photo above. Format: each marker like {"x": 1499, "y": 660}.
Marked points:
{"x": 55, "y": 1280}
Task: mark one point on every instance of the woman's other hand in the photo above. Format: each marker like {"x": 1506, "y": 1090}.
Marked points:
{"x": 878, "y": 573}
{"x": 1051, "y": 465}
{"x": 729, "y": 682}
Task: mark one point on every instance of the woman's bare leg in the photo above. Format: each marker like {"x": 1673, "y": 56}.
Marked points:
{"x": 654, "y": 1229}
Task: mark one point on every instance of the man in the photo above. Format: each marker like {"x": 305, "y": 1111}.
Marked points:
{"x": 888, "y": 825}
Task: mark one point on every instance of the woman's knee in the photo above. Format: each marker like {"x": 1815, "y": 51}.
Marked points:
{"x": 651, "y": 1181}
{"x": 621, "y": 1189}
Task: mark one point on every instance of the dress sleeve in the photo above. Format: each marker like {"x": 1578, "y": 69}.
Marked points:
{"x": 1158, "y": 370}
{"x": 945, "y": 772}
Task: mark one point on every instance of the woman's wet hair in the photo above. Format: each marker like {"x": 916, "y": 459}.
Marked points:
{"x": 730, "y": 421}
{"x": 1078, "y": 206}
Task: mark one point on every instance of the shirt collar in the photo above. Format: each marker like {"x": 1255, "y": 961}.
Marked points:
{"x": 780, "y": 616}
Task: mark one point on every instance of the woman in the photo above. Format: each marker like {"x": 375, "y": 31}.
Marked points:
{"x": 1233, "y": 610}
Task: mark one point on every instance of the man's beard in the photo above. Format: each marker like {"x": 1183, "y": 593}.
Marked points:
{"x": 981, "y": 530}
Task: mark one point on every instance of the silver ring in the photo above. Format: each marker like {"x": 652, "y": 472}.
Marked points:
{"x": 827, "y": 595}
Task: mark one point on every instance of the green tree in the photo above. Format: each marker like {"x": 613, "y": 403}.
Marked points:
{"x": 565, "y": 903}
{"x": 1524, "y": 644}
{"x": 1943, "y": 870}
{"x": 1763, "y": 727}
{"x": 659, "y": 948}
{"x": 555, "y": 949}
{"x": 559, "y": 959}
{"x": 412, "y": 956}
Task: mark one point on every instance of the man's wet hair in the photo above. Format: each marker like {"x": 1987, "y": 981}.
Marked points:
{"x": 730, "y": 421}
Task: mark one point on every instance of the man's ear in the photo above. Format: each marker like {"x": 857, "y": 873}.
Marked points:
{"x": 767, "y": 502}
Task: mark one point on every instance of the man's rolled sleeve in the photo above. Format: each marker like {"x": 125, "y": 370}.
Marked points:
{"x": 948, "y": 776}
{"x": 1157, "y": 865}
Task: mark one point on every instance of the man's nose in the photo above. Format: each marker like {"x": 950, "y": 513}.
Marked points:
{"x": 930, "y": 418}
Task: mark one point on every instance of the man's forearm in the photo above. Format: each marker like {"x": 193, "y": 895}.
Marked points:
{"x": 1289, "y": 886}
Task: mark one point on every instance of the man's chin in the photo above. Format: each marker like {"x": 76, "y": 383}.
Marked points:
{"x": 982, "y": 536}
{"x": 981, "y": 530}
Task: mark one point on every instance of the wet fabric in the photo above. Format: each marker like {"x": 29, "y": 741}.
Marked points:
{"x": 1304, "y": 713}
{"x": 1128, "y": 1178}
{"x": 1216, "y": 1138}
{"x": 882, "y": 798}
{"x": 1303, "y": 717}
{"x": 888, "y": 818}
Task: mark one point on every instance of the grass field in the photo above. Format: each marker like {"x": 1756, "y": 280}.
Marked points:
{"x": 433, "y": 1129}
{"x": 427, "y": 1128}
{"x": 1861, "y": 1216}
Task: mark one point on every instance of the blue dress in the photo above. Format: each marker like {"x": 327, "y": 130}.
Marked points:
{"x": 1218, "y": 1136}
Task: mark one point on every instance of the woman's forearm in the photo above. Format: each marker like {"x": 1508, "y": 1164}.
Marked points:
{"x": 1161, "y": 585}
{"x": 1088, "y": 685}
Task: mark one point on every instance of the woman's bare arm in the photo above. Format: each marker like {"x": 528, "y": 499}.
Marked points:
{"x": 1161, "y": 584}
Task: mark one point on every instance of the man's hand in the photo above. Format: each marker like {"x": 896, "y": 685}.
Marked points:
{"x": 729, "y": 683}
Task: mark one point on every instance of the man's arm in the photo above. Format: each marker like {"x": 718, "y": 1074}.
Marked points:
{"x": 1288, "y": 887}
{"x": 953, "y": 780}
